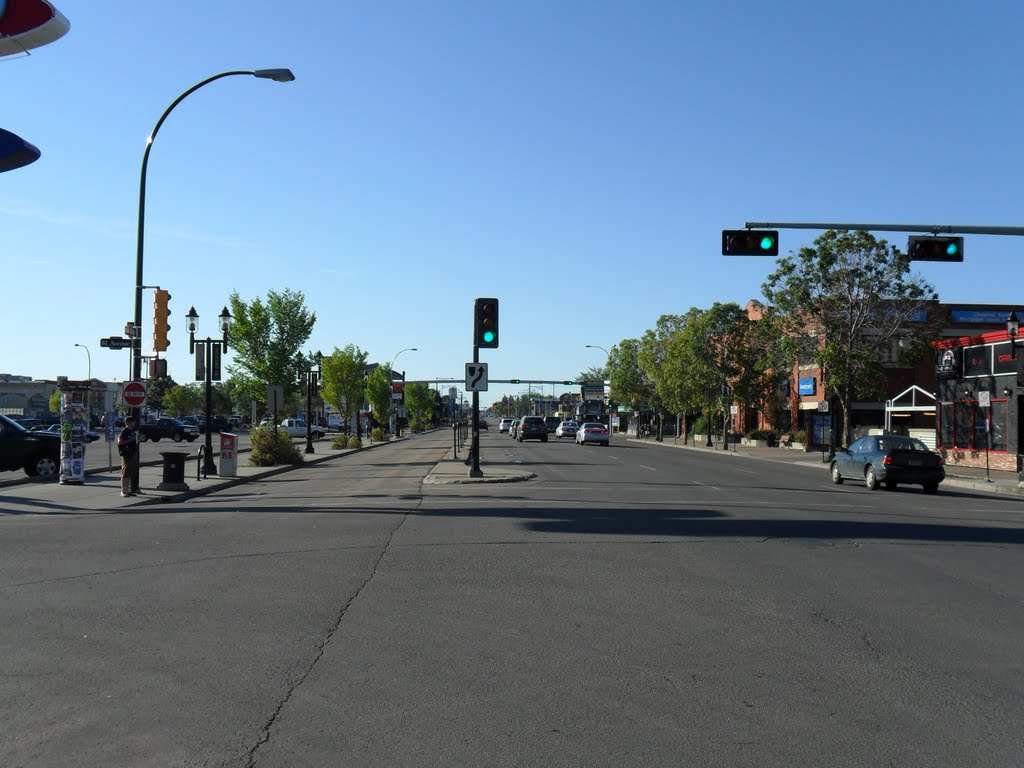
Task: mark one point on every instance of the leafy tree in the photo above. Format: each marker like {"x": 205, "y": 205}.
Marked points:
{"x": 155, "y": 391}
{"x": 267, "y": 339}
{"x": 181, "y": 400}
{"x": 343, "y": 380}
{"x": 419, "y": 402}
{"x": 845, "y": 303}
{"x": 54, "y": 402}
{"x": 629, "y": 383}
{"x": 594, "y": 373}
{"x": 378, "y": 393}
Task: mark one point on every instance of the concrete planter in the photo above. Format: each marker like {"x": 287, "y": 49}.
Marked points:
{"x": 754, "y": 443}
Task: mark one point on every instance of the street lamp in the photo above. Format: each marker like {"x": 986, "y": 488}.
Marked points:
{"x": 312, "y": 377}
{"x": 89, "y": 357}
{"x": 391, "y": 369}
{"x": 208, "y": 368}
{"x": 1012, "y": 329}
{"x": 278, "y": 75}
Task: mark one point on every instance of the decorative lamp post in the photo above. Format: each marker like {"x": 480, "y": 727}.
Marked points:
{"x": 208, "y": 369}
{"x": 312, "y": 380}
{"x": 1012, "y": 329}
{"x": 277, "y": 75}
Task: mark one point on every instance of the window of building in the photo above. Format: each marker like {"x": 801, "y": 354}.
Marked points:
{"x": 946, "y": 425}
{"x": 963, "y": 425}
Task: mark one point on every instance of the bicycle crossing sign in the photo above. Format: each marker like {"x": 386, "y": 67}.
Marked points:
{"x": 476, "y": 377}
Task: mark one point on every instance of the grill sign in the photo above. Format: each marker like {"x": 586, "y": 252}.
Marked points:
{"x": 946, "y": 367}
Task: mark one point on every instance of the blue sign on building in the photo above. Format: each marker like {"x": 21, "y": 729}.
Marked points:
{"x": 808, "y": 386}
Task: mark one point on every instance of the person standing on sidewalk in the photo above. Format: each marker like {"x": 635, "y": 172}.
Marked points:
{"x": 128, "y": 447}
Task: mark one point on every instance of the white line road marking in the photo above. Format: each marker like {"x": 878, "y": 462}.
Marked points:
{"x": 748, "y": 471}
{"x": 650, "y": 468}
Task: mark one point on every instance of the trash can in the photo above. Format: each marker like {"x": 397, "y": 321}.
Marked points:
{"x": 174, "y": 471}
{"x": 228, "y": 455}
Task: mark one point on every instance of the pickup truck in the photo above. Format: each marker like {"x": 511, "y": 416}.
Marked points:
{"x": 172, "y": 429}
{"x": 38, "y": 453}
{"x": 297, "y": 428}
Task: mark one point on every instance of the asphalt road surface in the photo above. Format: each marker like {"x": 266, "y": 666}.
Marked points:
{"x": 633, "y": 605}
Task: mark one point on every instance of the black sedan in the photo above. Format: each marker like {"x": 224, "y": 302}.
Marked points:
{"x": 889, "y": 460}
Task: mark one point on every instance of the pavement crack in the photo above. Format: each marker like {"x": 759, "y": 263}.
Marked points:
{"x": 321, "y": 647}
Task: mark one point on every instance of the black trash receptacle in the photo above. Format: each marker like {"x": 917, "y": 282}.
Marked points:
{"x": 174, "y": 471}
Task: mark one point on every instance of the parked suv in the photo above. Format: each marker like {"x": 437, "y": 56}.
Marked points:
{"x": 38, "y": 453}
{"x": 532, "y": 428}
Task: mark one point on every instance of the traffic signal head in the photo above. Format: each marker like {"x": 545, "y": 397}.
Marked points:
{"x": 160, "y": 325}
{"x": 935, "y": 248}
{"x": 750, "y": 242}
{"x": 567, "y": 382}
{"x": 515, "y": 381}
{"x": 485, "y": 323}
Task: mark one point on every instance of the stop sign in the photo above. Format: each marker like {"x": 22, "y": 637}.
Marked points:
{"x": 134, "y": 393}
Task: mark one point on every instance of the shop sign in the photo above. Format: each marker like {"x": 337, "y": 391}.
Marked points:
{"x": 946, "y": 368}
{"x": 808, "y": 386}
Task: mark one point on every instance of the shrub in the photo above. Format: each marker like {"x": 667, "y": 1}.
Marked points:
{"x": 798, "y": 436}
{"x": 354, "y": 442}
{"x": 272, "y": 446}
{"x": 761, "y": 434}
{"x": 379, "y": 435}
{"x": 340, "y": 441}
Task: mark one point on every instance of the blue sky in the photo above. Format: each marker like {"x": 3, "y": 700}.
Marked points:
{"x": 578, "y": 160}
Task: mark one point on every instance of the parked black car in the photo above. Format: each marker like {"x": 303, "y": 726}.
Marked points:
{"x": 38, "y": 453}
{"x": 532, "y": 428}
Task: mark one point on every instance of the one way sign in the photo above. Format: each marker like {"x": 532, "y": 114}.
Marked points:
{"x": 476, "y": 377}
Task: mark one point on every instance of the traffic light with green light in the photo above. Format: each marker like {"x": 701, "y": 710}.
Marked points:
{"x": 515, "y": 381}
{"x": 935, "y": 248}
{"x": 750, "y": 242}
{"x": 567, "y": 382}
{"x": 160, "y": 325}
{"x": 485, "y": 323}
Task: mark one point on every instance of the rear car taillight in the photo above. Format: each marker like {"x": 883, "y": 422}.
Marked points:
{"x": 887, "y": 460}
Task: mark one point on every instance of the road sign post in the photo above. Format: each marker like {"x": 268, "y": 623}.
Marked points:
{"x": 134, "y": 393}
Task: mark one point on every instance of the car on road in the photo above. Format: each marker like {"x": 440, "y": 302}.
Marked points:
{"x": 566, "y": 429}
{"x": 532, "y": 428}
{"x": 482, "y": 423}
{"x": 505, "y": 425}
{"x": 592, "y": 432}
{"x": 514, "y": 428}
{"x": 552, "y": 423}
{"x": 889, "y": 460}
{"x": 297, "y": 428}
{"x": 167, "y": 427}
{"x": 38, "y": 453}
{"x": 90, "y": 436}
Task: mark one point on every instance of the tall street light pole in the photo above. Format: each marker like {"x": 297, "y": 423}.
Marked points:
{"x": 391, "y": 370}
{"x": 89, "y": 358}
{"x": 278, "y": 75}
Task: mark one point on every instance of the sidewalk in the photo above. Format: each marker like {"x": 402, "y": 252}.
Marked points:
{"x": 959, "y": 477}
{"x": 101, "y": 490}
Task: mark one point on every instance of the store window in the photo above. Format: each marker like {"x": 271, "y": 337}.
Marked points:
{"x": 1000, "y": 432}
{"x": 963, "y": 425}
{"x": 946, "y": 425}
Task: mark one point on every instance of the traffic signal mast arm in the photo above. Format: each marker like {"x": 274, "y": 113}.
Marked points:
{"x": 933, "y": 229}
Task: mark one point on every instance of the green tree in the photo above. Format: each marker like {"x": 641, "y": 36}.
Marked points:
{"x": 155, "y": 391}
{"x": 378, "y": 393}
{"x": 344, "y": 382}
{"x": 181, "y": 400}
{"x": 629, "y": 383}
{"x": 54, "y": 402}
{"x": 594, "y": 373}
{"x": 845, "y": 303}
{"x": 419, "y": 403}
{"x": 267, "y": 340}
